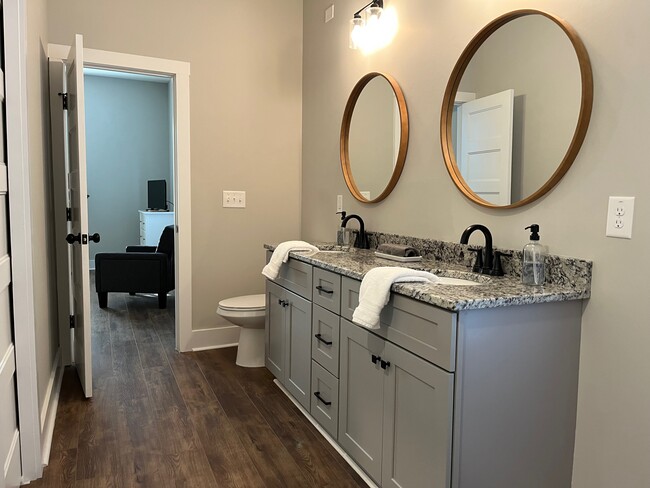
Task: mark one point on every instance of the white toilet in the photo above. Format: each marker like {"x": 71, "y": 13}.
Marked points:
{"x": 247, "y": 312}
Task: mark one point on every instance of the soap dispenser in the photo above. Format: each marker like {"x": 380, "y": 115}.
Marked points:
{"x": 340, "y": 231}
{"x": 532, "y": 272}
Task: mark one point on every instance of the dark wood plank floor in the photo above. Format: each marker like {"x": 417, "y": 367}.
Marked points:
{"x": 163, "y": 419}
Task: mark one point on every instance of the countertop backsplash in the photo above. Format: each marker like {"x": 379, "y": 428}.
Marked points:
{"x": 559, "y": 270}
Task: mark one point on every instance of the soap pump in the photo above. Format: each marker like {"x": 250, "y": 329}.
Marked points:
{"x": 532, "y": 272}
{"x": 340, "y": 231}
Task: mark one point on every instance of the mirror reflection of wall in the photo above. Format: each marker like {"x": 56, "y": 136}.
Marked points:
{"x": 374, "y": 137}
{"x": 533, "y": 56}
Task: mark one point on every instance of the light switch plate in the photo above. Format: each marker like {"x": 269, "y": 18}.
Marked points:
{"x": 620, "y": 214}
{"x": 234, "y": 199}
{"x": 329, "y": 13}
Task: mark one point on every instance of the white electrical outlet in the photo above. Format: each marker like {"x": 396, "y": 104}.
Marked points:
{"x": 234, "y": 199}
{"x": 620, "y": 213}
{"x": 339, "y": 203}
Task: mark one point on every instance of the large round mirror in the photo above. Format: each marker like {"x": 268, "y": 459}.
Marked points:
{"x": 374, "y": 137}
{"x": 516, "y": 109}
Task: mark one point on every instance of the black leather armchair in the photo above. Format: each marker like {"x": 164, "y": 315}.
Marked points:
{"x": 143, "y": 269}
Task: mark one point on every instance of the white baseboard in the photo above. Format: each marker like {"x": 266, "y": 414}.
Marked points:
{"x": 50, "y": 406}
{"x": 328, "y": 437}
{"x": 203, "y": 339}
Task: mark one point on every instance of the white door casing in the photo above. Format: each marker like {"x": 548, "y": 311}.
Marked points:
{"x": 485, "y": 152}
{"x": 179, "y": 72}
{"x": 77, "y": 184}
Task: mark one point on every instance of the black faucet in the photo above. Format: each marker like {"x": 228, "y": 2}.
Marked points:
{"x": 361, "y": 241}
{"x": 483, "y": 264}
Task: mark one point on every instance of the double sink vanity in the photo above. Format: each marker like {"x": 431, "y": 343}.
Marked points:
{"x": 470, "y": 382}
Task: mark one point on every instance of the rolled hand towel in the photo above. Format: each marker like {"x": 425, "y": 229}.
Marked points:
{"x": 281, "y": 255}
{"x": 375, "y": 291}
{"x": 401, "y": 250}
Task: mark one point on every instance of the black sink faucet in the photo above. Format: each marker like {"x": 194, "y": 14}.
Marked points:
{"x": 362, "y": 239}
{"x": 482, "y": 265}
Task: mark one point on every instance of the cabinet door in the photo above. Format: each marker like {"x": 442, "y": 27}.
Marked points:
{"x": 297, "y": 375}
{"x": 275, "y": 330}
{"x": 418, "y": 406}
{"x": 361, "y": 397}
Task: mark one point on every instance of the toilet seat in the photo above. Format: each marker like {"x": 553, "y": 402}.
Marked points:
{"x": 247, "y": 303}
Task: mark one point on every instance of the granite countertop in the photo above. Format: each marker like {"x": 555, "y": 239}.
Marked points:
{"x": 492, "y": 291}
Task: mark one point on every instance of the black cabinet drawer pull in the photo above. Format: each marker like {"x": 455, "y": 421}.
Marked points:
{"x": 375, "y": 359}
{"x": 325, "y": 290}
{"x": 384, "y": 364}
{"x": 284, "y": 303}
{"x": 321, "y": 399}
{"x": 320, "y": 338}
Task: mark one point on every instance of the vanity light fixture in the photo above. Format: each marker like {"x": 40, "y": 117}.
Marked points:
{"x": 365, "y": 34}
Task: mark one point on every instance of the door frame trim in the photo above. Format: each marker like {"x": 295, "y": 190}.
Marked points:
{"x": 179, "y": 71}
{"x": 20, "y": 215}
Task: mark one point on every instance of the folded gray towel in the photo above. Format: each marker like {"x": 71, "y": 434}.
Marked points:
{"x": 398, "y": 250}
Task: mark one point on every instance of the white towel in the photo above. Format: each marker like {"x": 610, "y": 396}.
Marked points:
{"x": 281, "y": 255}
{"x": 375, "y": 291}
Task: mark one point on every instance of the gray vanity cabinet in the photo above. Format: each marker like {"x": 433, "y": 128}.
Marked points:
{"x": 395, "y": 412}
{"x": 288, "y": 341}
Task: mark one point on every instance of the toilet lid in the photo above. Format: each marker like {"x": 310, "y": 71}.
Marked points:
{"x": 247, "y": 302}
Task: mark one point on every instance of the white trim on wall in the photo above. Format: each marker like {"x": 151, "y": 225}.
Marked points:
{"x": 50, "y": 406}
{"x": 216, "y": 338}
{"x": 179, "y": 71}
{"x": 21, "y": 237}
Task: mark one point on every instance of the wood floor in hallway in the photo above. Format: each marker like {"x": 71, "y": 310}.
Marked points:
{"x": 159, "y": 418}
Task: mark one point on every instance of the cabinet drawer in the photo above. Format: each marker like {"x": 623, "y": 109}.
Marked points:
{"x": 325, "y": 399}
{"x": 327, "y": 290}
{"x": 295, "y": 276}
{"x": 425, "y": 330}
{"x": 325, "y": 339}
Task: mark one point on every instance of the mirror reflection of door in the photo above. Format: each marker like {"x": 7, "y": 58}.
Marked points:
{"x": 484, "y": 146}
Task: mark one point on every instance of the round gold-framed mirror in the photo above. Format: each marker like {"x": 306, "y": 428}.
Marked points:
{"x": 516, "y": 109}
{"x": 374, "y": 137}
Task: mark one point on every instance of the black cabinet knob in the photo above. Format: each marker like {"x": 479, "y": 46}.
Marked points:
{"x": 94, "y": 237}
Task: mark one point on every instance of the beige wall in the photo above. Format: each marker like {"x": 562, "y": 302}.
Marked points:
{"x": 45, "y": 307}
{"x": 613, "y": 430}
{"x": 245, "y": 94}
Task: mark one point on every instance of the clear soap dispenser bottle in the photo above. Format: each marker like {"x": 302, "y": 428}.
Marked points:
{"x": 532, "y": 272}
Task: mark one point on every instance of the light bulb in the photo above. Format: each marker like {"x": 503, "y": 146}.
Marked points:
{"x": 356, "y": 33}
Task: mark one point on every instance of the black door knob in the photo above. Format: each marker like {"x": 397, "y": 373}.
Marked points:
{"x": 71, "y": 238}
{"x": 94, "y": 237}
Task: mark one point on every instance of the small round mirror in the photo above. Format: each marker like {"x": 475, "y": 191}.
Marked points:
{"x": 374, "y": 137}
{"x": 516, "y": 109}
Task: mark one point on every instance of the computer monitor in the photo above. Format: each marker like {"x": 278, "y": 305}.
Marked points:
{"x": 157, "y": 195}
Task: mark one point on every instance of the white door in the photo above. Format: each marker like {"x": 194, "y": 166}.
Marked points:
{"x": 77, "y": 184}
{"x": 9, "y": 434}
{"x": 485, "y": 153}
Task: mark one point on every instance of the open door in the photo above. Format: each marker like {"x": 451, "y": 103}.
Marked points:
{"x": 78, "y": 238}
{"x": 486, "y": 146}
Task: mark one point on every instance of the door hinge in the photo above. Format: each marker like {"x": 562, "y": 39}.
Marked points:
{"x": 64, "y": 99}
{"x": 68, "y": 214}
{"x": 72, "y": 321}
